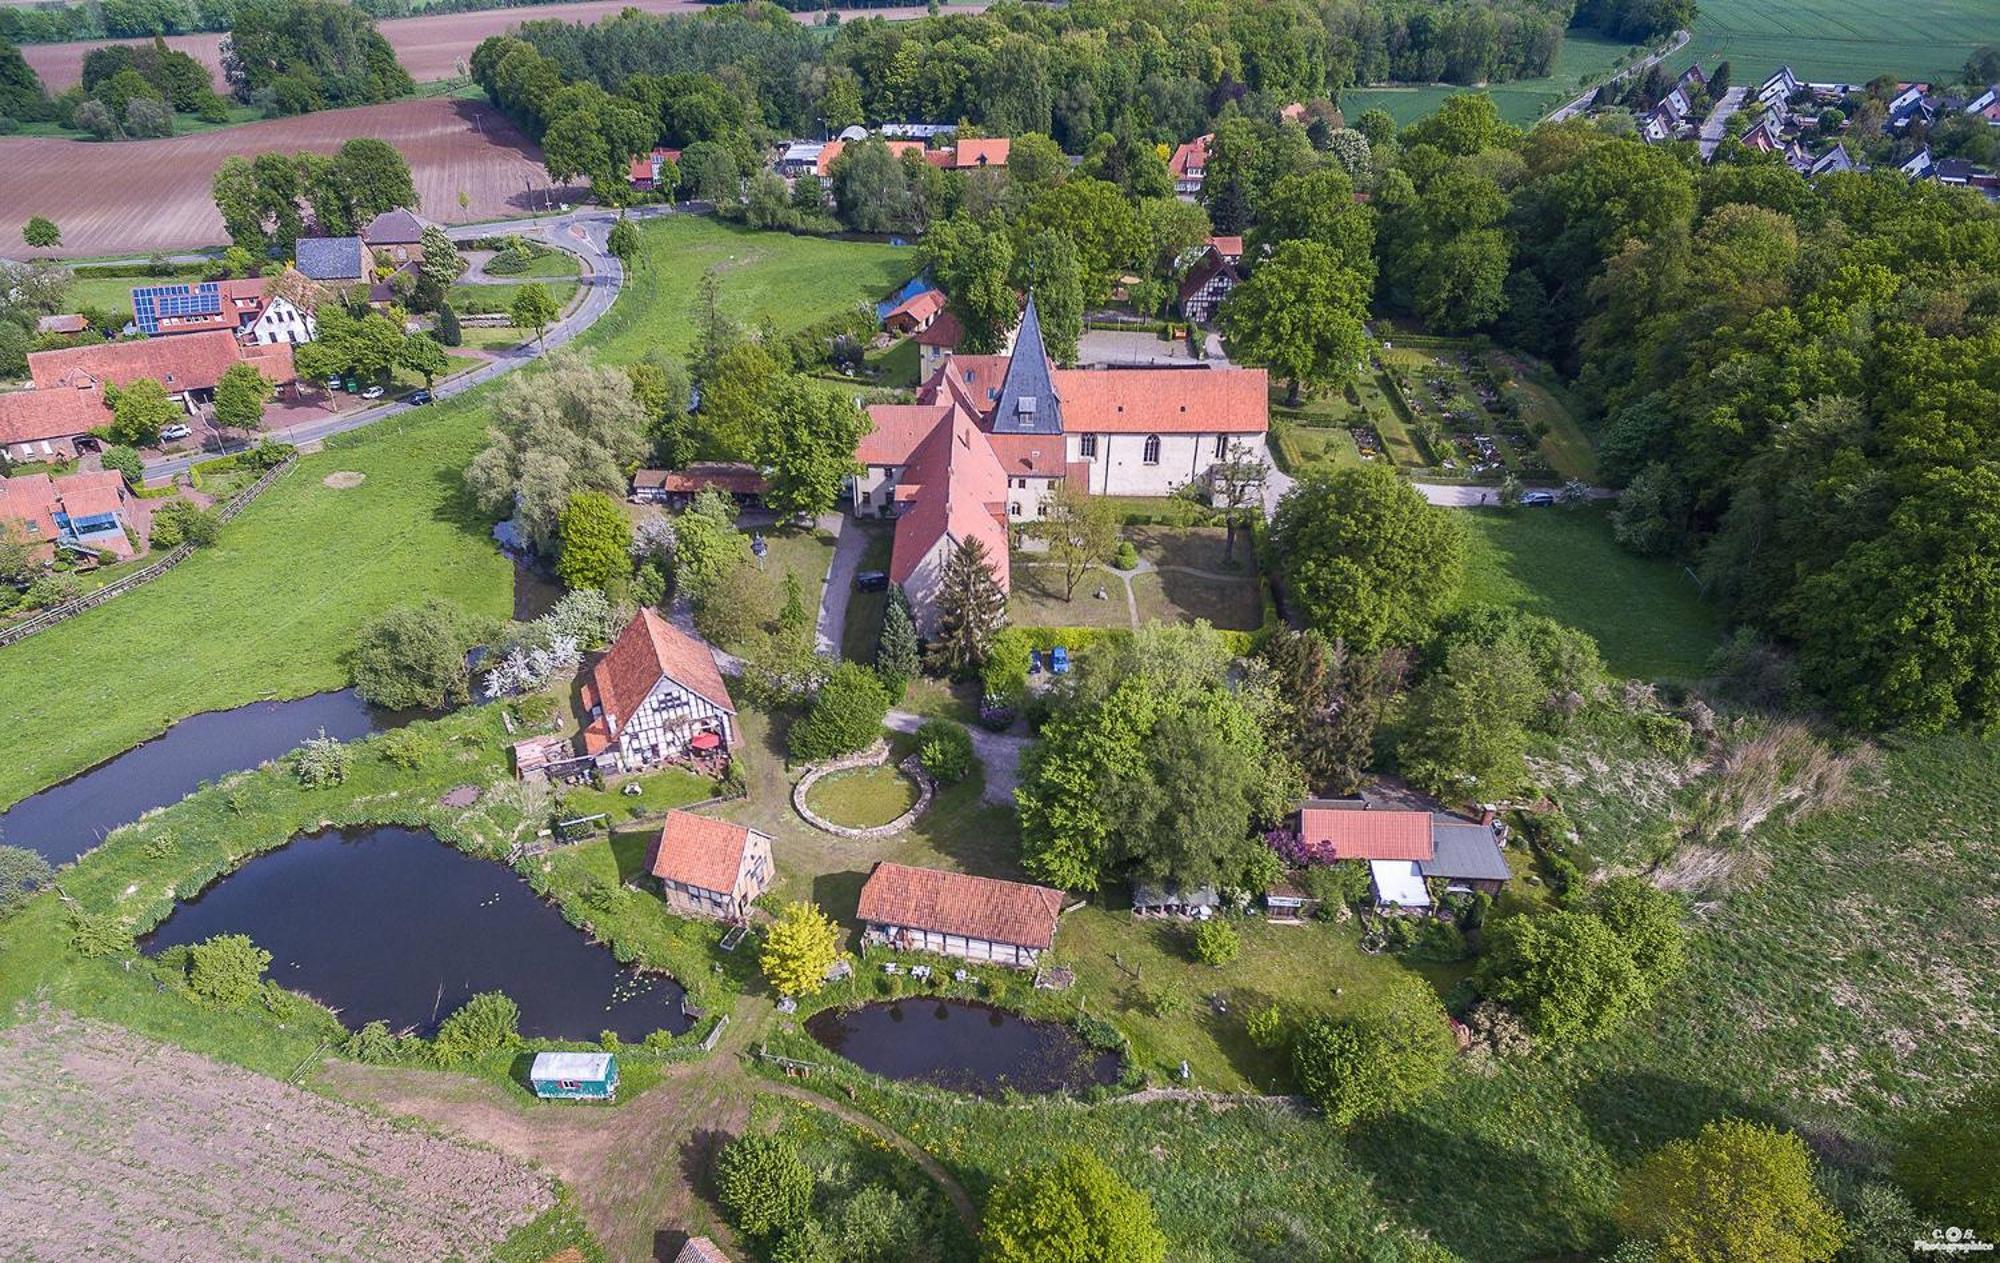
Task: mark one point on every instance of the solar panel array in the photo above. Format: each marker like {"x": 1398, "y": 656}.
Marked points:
{"x": 152, "y": 303}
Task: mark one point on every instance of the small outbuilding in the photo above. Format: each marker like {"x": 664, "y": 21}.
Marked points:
{"x": 574, "y": 1076}
{"x": 1197, "y": 903}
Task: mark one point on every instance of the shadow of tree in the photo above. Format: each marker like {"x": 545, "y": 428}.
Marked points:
{"x": 839, "y": 894}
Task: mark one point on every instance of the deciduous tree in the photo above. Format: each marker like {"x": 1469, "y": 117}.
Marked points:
{"x": 1369, "y": 562}
{"x": 596, "y": 542}
{"x": 412, "y": 657}
{"x": 240, "y": 397}
{"x": 533, "y": 308}
{"x": 807, "y": 444}
{"x": 762, "y": 1183}
{"x": 1073, "y": 1209}
{"x": 1738, "y": 1190}
{"x": 1300, "y": 313}
{"x": 557, "y": 430}
{"x": 41, "y": 232}
{"x": 801, "y": 945}
{"x": 1080, "y": 530}
{"x": 1385, "y": 1055}
{"x": 140, "y": 411}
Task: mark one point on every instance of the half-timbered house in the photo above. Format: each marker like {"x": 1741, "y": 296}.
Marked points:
{"x": 656, "y": 697}
{"x": 955, "y": 914}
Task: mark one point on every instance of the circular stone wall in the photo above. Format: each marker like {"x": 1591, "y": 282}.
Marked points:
{"x": 875, "y": 756}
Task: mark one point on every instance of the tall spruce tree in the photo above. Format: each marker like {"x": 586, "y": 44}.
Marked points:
{"x": 896, "y": 651}
{"x": 971, "y": 609}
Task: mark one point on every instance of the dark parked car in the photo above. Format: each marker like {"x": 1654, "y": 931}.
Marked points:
{"x": 417, "y": 398}
{"x": 872, "y": 581}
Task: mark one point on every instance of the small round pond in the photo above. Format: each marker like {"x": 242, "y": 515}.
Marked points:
{"x": 390, "y": 923}
{"x": 964, "y": 1046}
{"x": 862, "y": 797}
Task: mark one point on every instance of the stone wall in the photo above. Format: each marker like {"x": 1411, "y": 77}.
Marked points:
{"x": 874, "y": 756}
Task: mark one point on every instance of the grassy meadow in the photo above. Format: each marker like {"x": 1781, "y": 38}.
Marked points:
{"x": 1584, "y": 57}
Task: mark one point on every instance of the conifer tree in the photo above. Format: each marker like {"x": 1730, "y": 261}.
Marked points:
{"x": 971, "y": 609}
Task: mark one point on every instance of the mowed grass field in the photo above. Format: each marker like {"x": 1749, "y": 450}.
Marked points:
{"x": 1843, "y": 41}
{"x": 1647, "y": 616}
{"x": 1584, "y": 56}
{"x": 270, "y": 610}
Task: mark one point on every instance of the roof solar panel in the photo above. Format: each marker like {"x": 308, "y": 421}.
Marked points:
{"x": 152, "y": 303}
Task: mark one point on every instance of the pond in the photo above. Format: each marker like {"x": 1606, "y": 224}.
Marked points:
{"x": 964, "y": 1046}
{"x": 391, "y": 923}
{"x": 65, "y": 820}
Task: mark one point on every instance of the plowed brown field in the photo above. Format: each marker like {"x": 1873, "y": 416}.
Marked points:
{"x": 429, "y": 48}
{"x": 140, "y": 196}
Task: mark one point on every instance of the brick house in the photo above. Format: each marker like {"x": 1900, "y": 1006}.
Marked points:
{"x": 711, "y": 868}
{"x": 955, "y": 914}
{"x": 655, "y": 697}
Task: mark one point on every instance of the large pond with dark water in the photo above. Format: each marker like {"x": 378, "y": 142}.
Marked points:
{"x": 390, "y": 923}
{"x": 65, "y": 820}
{"x": 964, "y": 1046}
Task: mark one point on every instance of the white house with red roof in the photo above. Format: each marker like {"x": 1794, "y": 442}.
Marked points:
{"x": 711, "y": 868}
{"x": 1406, "y": 850}
{"x": 1189, "y": 166}
{"x": 991, "y": 436}
{"x": 654, "y": 697}
{"x": 957, "y": 914}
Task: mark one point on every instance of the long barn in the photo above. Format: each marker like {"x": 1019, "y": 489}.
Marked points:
{"x": 955, "y": 914}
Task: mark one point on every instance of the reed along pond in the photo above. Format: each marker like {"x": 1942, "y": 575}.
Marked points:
{"x": 963, "y": 1046}
{"x": 391, "y": 923}
{"x": 67, "y": 819}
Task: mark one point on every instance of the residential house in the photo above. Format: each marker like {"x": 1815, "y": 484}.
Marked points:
{"x": 916, "y": 313}
{"x": 82, "y": 511}
{"x": 397, "y": 233}
{"x": 1779, "y": 88}
{"x": 49, "y": 425}
{"x": 1834, "y": 159}
{"x": 656, "y": 696}
{"x": 990, "y": 437}
{"x": 1918, "y": 165}
{"x": 1911, "y": 104}
{"x": 700, "y": 1250}
{"x": 972, "y": 155}
{"x": 1764, "y": 138}
{"x": 1693, "y": 78}
{"x": 1212, "y": 278}
{"x": 245, "y": 307}
{"x": 955, "y": 914}
{"x": 338, "y": 261}
{"x": 1229, "y": 247}
{"x": 801, "y": 157}
{"x": 916, "y": 131}
{"x": 1406, "y": 850}
{"x": 647, "y": 173}
{"x": 711, "y": 868}
{"x": 677, "y": 487}
{"x": 1956, "y": 172}
{"x": 936, "y": 342}
{"x": 1189, "y": 166}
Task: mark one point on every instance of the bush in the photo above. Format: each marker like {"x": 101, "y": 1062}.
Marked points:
{"x": 52, "y": 590}
{"x": 763, "y": 1185}
{"x": 845, "y": 717}
{"x": 321, "y": 762}
{"x": 412, "y": 657}
{"x": 945, "y": 750}
{"x": 1216, "y": 942}
{"x": 1266, "y": 1027}
{"x": 1127, "y": 556}
{"x": 180, "y": 522}
{"x": 407, "y": 748}
{"x": 374, "y": 1044}
{"x": 227, "y": 969}
{"x": 127, "y": 462}
{"x": 1336, "y": 886}
{"x": 99, "y": 933}
{"x": 1378, "y": 1060}
{"x": 487, "y": 1023}
{"x": 22, "y": 873}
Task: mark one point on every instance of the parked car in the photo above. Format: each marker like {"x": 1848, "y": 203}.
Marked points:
{"x": 373, "y": 392}
{"x": 872, "y": 581}
{"x": 174, "y": 433}
{"x": 1538, "y": 498}
{"x": 417, "y": 398}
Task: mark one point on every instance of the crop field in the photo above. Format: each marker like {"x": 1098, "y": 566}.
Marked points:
{"x": 430, "y": 48}
{"x": 141, "y": 196}
{"x": 112, "y": 1146}
{"x": 1842, "y": 41}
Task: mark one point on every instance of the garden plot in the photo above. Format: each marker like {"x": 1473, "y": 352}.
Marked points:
{"x": 115, "y": 1147}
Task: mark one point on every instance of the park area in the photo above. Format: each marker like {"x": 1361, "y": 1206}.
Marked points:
{"x": 114, "y": 1146}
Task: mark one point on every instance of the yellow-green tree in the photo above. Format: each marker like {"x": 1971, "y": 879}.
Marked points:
{"x": 1072, "y": 1210}
{"x": 799, "y": 949}
{"x": 1736, "y": 1191}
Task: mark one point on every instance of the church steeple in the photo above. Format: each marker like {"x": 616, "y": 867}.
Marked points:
{"x": 1028, "y": 403}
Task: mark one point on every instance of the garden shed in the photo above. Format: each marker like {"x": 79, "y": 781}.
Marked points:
{"x": 574, "y": 1076}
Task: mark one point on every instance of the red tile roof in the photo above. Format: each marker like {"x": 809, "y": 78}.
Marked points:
{"x": 1367, "y": 835}
{"x": 1192, "y": 156}
{"x": 1228, "y": 247}
{"x": 980, "y": 153}
{"x": 34, "y": 500}
{"x": 648, "y": 648}
{"x": 899, "y": 427}
{"x": 27, "y": 416}
{"x": 30, "y": 499}
{"x": 194, "y": 361}
{"x": 1030, "y": 455}
{"x": 964, "y": 497}
{"x": 945, "y": 331}
{"x": 1165, "y": 400}
{"x": 957, "y": 903}
{"x": 918, "y": 309}
{"x": 699, "y": 851}
{"x": 735, "y": 477}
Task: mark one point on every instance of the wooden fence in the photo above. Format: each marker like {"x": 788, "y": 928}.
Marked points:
{"x": 118, "y": 587}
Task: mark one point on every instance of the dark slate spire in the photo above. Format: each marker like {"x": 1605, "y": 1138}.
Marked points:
{"x": 1028, "y": 403}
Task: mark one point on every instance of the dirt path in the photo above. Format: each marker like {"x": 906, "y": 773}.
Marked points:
{"x": 961, "y": 1200}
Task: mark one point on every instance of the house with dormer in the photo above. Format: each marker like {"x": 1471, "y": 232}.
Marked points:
{"x": 656, "y": 697}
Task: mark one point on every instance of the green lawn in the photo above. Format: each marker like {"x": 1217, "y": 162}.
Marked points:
{"x": 1037, "y": 596}
{"x": 1844, "y": 41}
{"x": 863, "y": 797}
{"x": 272, "y": 608}
{"x": 1647, "y": 616}
{"x": 1583, "y": 56}
{"x": 488, "y": 297}
{"x": 109, "y": 293}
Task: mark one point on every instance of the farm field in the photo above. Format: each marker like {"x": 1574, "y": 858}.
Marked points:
{"x": 111, "y": 1144}
{"x": 142, "y": 196}
{"x": 430, "y": 48}
{"x": 104, "y": 681}
{"x": 1841, "y": 41}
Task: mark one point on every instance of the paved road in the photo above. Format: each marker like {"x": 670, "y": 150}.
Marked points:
{"x": 999, "y": 752}
{"x": 1576, "y": 104}
{"x": 1459, "y": 496}
{"x": 1718, "y": 120}
{"x": 582, "y": 232}
{"x": 849, "y": 543}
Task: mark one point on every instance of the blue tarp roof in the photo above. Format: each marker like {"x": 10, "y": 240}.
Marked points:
{"x": 915, "y": 286}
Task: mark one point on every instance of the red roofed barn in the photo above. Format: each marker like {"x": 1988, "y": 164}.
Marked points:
{"x": 654, "y": 697}
{"x": 711, "y": 868}
{"x": 954, "y": 914}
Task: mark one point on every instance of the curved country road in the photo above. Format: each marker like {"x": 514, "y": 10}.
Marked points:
{"x": 582, "y": 232}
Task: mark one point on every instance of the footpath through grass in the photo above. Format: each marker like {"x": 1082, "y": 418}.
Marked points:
{"x": 1648, "y": 616}
{"x": 271, "y": 609}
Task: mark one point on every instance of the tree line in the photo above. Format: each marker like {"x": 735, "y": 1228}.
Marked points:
{"x": 141, "y": 19}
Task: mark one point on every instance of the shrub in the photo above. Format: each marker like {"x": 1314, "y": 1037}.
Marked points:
{"x": 99, "y": 933}
{"x": 52, "y": 590}
{"x": 799, "y": 948}
{"x": 180, "y": 522}
{"x": 22, "y": 873}
{"x": 227, "y": 969}
{"x": 1337, "y": 885}
{"x": 1498, "y": 1031}
{"x": 1127, "y": 556}
{"x": 407, "y": 748}
{"x": 126, "y": 461}
{"x": 487, "y": 1023}
{"x": 321, "y": 762}
{"x": 1378, "y": 1060}
{"x": 1074, "y": 1208}
{"x": 1216, "y": 942}
{"x": 373, "y": 1044}
{"x": 845, "y": 717}
{"x": 412, "y": 657}
{"x": 1736, "y": 1191}
{"x": 945, "y": 750}
{"x": 763, "y": 1185}
{"x": 1266, "y": 1027}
